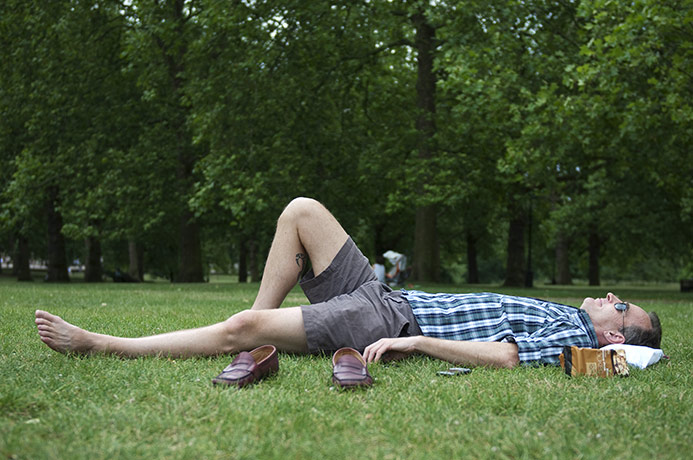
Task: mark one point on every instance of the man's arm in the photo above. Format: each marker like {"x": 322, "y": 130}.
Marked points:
{"x": 495, "y": 354}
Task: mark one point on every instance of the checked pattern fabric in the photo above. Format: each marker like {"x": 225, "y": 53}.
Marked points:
{"x": 539, "y": 328}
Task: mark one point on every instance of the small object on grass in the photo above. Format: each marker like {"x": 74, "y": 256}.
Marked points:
{"x": 455, "y": 371}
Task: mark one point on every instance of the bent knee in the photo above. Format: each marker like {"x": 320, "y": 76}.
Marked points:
{"x": 237, "y": 327}
{"x": 240, "y": 323}
{"x": 300, "y": 207}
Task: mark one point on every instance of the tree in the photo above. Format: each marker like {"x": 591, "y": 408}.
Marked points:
{"x": 426, "y": 249}
{"x": 500, "y": 62}
{"x": 430, "y": 128}
{"x": 38, "y": 104}
{"x": 14, "y": 42}
{"x": 308, "y": 112}
{"x": 629, "y": 75}
{"x": 158, "y": 49}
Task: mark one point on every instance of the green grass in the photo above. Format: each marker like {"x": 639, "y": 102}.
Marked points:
{"x": 68, "y": 407}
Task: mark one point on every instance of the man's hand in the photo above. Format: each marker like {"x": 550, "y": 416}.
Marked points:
{"x": 397, "y": 347}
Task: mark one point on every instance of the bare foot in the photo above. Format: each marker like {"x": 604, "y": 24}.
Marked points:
{"x": 60, "y": 335}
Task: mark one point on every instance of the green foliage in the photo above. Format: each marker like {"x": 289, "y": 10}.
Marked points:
{"x": 141, "y": 113}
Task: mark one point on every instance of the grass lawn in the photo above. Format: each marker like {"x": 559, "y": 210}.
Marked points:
{"x": 68, "y": 407}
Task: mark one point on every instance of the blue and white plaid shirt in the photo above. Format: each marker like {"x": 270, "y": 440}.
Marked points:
{"x": 539, "y": 328}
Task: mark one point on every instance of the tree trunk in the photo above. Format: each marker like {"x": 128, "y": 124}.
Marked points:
{"x": 243, "y": 262}
{"x": 515, "y": 266}
{"x": 594, "y": 248}
{"x": 20, "y": 265}
{"x": 529, "y": 271}
{"x": 190, "y": 270}
{"x": 426, "y": 249}
{"x": 136, "y": 258}
{"x": 426, "y": 255}
{"x": 563, "y": 261}
{"x": 57, "y": 261}
{"x": 472, "y": 264}
{"x": 174, "y": 49}
{"x": 92, "y": 271}
{"x": 379, "y": 229}
{"x": 253, "y": 265}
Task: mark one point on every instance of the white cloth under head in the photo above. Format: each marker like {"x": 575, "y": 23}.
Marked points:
{"x": 637, "y": 355}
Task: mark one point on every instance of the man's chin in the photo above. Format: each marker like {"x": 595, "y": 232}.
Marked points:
{"x": 586, "y": 302}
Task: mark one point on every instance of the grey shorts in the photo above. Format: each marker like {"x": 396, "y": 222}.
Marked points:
{"x": 350, "y": 307}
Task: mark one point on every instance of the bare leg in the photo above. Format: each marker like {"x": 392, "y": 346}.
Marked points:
{"x": 305, "y": 229}
{"x": 243, "y": 331}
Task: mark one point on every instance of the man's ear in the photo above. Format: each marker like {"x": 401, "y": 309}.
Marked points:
{"x": 614, "y": 337}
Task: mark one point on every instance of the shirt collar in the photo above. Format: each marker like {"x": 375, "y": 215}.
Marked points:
{"x": 588, "y": 326}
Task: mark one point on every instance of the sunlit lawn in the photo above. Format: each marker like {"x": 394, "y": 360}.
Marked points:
{"x": 67, "y": 407}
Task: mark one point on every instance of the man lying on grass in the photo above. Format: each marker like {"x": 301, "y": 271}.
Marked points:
{"x": 351, "y": 308}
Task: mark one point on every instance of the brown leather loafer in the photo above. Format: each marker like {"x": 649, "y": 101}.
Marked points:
{"x": 249, "y": 367}
{"x": 349, "y": 369}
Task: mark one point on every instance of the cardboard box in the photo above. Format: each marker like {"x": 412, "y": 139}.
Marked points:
{"x": 593, "y": 362}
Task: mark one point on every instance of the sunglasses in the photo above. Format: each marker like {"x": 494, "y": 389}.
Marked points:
{"x": 623, "y": 308}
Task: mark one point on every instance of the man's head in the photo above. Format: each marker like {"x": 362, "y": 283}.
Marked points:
{"x": 616, "y": 321}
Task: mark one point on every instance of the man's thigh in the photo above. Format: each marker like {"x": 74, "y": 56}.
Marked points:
{"x": 348, "y": 271}
{"x": 358, "y": 319}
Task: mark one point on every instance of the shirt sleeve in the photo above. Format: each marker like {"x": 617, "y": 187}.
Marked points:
{"x": 544, "y": 345}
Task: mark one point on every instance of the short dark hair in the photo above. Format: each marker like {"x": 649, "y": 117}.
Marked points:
{"x": 652, "y": 337}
